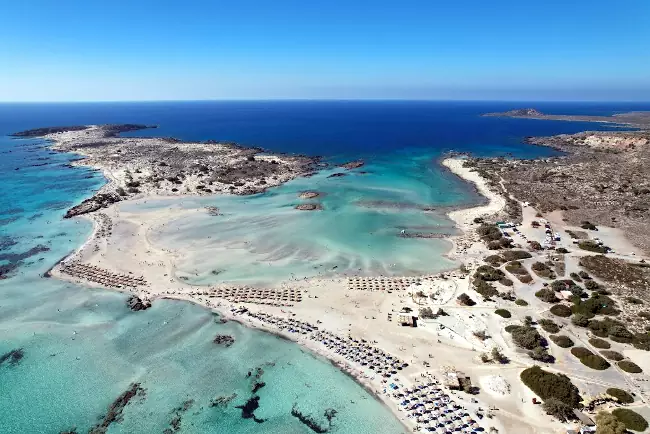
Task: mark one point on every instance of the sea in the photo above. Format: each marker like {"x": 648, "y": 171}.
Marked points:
{"x": 70, "y": 351}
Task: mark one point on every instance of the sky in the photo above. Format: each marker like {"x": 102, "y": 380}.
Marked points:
{"x": 307, "y": 49}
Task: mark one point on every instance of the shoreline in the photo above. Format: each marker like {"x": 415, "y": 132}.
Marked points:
{"x": 183, "y": 292}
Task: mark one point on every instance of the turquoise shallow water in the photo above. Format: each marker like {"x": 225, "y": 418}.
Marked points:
{"x": 82, "y": 348}
{"x": 263, "y": 239}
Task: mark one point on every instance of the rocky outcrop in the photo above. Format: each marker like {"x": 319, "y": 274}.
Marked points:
{"x": 525, "y": 112}
{"x": 308, "y": 421}
{"x": 337, "y": 175}
{"x": 39, "y": 132}
{"x": 114, "y": 413}
{"x": 12, "y": 357}
{"x": 94, "y": 203}
{"x": 136, "y": 304}
{"x": 353, "y": 164}
{"x": 225, "y": 340}
{"x": 309, "y": 207}
{"x": 248, "y": 409}
{"x": 309, "y": 195}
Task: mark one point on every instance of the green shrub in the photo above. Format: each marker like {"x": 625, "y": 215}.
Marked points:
{"x": 484, "y": 288}
{"x": 592, "y": 246}
{"x": 575, "y": 277}
{"x": 547, "y": 295}
{"x": 583, "y": 274}
{"x": 521, "y": 302}
{"x": 567, "y": 285}
{"x": 630, "y": 367}
{"x": 600, "y": 343}
{"x": 596, "y": 362}
{"x": 494, "y": 260}
{"x": 561, "y": 250}
{"x": 547, "y": 385}
{"x": 488, "y": 273}
{"x": 561, "y": 310}
{"x": 631, "y": 419}
{"x": 511, "y": 328}
{"x": 587, "y": 225}
{"x": 527, "y": 337}
{"x": 581, "y": 352}
{"x": 562, "y": 341}
{"x": 503, "y": 313}
{"x": 489, "y": 232}
{"x": 513, "y": 255}
{"x": 580, "y": 320}
{"x": 595, "y": 305}
{"x": 591, "y": 285}
{"x": 516, "y": 267}
{"x": 506, "y": 282}
{"x": 548, "y": 325}
{"x": 526, "y": 278}
{"x": 620, "y": 394}
{"x": 543, "y": 270}
{"x": 612, "y": 355}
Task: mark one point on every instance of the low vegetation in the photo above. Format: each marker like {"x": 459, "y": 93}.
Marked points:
{"x": 581, "y": 352}
{"x": 547, "y": 385}
{"x": 600, "y": 343}
{"x": 543, "y": 270}
{"x": 597, "y": 304}
{"x": 592, "y": 246}
{"x": 618, "y": 271}
{"x": 547, "y": 295}
{"x": 521, "y": 302}
{"x": 631, "y": 419}
{"x": 514, "y": 255}
{"x": 613, "y": 355}
{"x": 620, "y": 394}
{"x": 629, "y": 367}
{"x": 561, "y": 310}
{"x": 562, "y": 341}
{"x": 503, "y": 313}
{"x": 595, "y": 361}
{"x": 548, "y": 326}
{"x": 607, "y": 423}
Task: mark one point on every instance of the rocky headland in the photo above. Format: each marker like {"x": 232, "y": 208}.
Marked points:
{"x": 633, "y": 119}
{"x": 137, "y": 167}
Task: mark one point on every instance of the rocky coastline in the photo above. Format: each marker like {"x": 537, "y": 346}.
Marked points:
{"x": 137, "y": 167}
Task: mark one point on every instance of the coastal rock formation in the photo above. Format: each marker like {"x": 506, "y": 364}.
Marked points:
{"x": 337, "y": 175}
{"x": 94, "y": 203}
{"x": 225, "y": 340}
{"x": 353, "y": 164}
{"x": 309, "y": 195}
{"x": 423, "y": 235}
{"x": 145, "y": 166}
{"x": 309, "y": 207}
{"x": 136, "y": 304}
{"x": 114, "y": 413}
{"x": 175, "y": 422}
{"x": 248, "y": 409}
{"x": 525, "y": 112}
{"x": 222, "y": 401}
{"x": 308, "y": 421}
{"x": 12, "y": 357}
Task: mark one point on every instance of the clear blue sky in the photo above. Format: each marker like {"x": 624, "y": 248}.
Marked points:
{"x": 60, "y": 50}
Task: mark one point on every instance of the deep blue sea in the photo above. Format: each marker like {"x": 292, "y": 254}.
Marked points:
{"x": 82, "y": 347}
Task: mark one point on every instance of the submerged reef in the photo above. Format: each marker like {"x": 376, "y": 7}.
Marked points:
{"x": 13, "y": 357}
{"x": 114, "y": 413}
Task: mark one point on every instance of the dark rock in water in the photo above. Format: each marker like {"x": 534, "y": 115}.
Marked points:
{"x": 257, "y": 385}
{"x": 7, "y": 269}
{"x": 175, "y": 422}
{"x": 7, "y": 242}
{"x": 114, "y": 413}
{"x": 8, "y": 220}
{"x": 13, "y": 357}
{"x": 93, "y": 204}
{"x": 248, "y": 409}
{"x": 225, "y": 340}
{"x": 136, "y": 304}
{"x": 337, "y": 174}
{"x": 307, "y": 420}
{"x": 309, "y": 207}
{"x": 55, "y": 205}
{"x": 353, "y": 164}
{"x": 17, "y": 257}
{"x": 222, "y": 401}
{"x": 12, "y": 211}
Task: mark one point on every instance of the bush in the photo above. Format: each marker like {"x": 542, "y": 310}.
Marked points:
{"x": 591, "y": 285}
{"x": 595, "y": 362}
{"x": 580, "y": 320}
{"x": 541, "y": 354}
{"x": 494, "y": 260}
{"x": 561, "y": 310}
{"x": 592, "y": 246}
{"x": 575, "y": 277}
{"x": 561, "y": 250}
{"x": 465, "y": 300}
{"x": 489, "y": 232}
{"x": 512, "y": 327}
{"x": 581, "y": 352}
{"x": 583, "y": 274}
{"x": 558, "y": 409}
{"x": 595, "y": 305}
{"x": 600, "y": 343}
{"x": 620, "y": 394}
{"x": 527, "y": 278}
{"x": 549, "y": 326}
{"x": 606, "y": 423}
{"x": 612, "y": 355}
{"x": 562, "y": 341}
{"x": 513, "y": 255}
{"x": 631, "y": 419}
{"x": 516, "y": 267}
{"x": 506, "y": 282}
{"x": 426, "y": 313}
{"x": 633, "y": 300}
{"x": 521, "y": 302}
{"x": 489, "y": 274}
{"x": 629, "y": 367}
{"x": 547, "y": 385}
{"x": 527, "y": 337}
{"x": 543, "y": 270}
{"x": 547, "y": 295}
{"x": 484, "y": 288}
{"x": 120, "y": 191}
{"x": 534, "y": 245}
{"x": 587, "y": 225}
{"x": 503, "y": 313}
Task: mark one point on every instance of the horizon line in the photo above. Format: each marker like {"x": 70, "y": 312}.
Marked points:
{"x": 594, "y": 101}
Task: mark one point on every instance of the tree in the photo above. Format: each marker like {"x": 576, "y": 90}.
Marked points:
{"x": 498, "y": 356}
{"x": 558, "y": 409}
{"x": 607, "y": 423}
{"x": 528, "y": 320}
